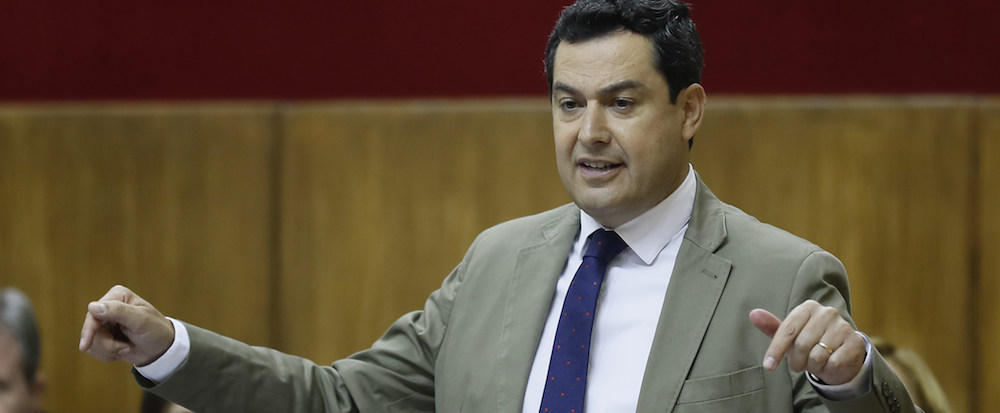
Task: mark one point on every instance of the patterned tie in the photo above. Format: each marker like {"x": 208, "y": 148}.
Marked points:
{"x": 567, "y": 378}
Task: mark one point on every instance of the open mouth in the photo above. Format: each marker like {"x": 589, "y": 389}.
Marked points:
{"x": 599, "y": 166}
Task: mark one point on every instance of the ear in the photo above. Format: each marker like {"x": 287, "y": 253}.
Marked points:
{"x": 37, "y": 390}
{"x": 692, "y": 100}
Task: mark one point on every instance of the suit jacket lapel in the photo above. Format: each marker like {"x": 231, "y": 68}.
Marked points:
{"x": 695, "y": 289}
{"x": 530, "y": 296}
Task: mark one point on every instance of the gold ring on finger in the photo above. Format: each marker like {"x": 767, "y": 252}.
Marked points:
{"x": 825, "y": 347}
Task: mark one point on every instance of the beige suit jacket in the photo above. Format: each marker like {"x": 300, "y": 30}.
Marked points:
{"x": 470, "y": 349}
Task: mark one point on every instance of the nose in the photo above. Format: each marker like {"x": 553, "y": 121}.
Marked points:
{"x": 594, "y": 127}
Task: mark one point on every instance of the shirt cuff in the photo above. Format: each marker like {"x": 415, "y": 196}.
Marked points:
{"x": 857, "y": 387}
{"x": 161, "y": 368}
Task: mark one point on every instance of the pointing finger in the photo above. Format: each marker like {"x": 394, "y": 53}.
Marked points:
{"x": 786, "y": 334}
{"x": 102, "y": 345}
{"x": 766, "y": 322}
{"x": 90, "y": 326}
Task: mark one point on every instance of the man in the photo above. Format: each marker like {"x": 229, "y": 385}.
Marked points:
{"x": 510, "y": 328}
{"x": 20, "y": 384}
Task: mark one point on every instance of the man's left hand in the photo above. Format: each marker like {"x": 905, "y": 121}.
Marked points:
{"x": 816, "y": 339}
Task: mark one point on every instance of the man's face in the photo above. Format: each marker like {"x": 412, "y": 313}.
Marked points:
{"x": 16, "y": 394}
{"x": 621, "y": 146}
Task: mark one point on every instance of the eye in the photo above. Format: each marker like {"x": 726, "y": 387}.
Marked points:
{"x": 568, "y": 105}
{"x": 622, "y": 104}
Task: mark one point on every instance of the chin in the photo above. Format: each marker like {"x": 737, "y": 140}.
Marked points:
{"x": 603, "y": 212}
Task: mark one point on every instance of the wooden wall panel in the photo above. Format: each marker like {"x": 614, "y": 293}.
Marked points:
{"x": 310, "y": 227}
{"x": 883, "y": 183}
{"x": 380, "y": 202}
{"x": 173, "y": 202}
{"x": 870, "y": 179}
{"x": 986, "y": 356}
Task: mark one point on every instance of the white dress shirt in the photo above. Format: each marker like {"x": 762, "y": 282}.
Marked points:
{"x": 628, "y": 308}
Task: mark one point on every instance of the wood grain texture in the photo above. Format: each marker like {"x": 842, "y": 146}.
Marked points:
{"x": 170, "y": 201}
{"x": 987, "y": 233}
{"x": 379, "y": 203}
{"x": 312, "y": 226}
{"x": 886, "y": 184}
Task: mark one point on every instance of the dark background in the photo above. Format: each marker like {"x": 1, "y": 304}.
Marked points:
{"x": 229, "y": 49}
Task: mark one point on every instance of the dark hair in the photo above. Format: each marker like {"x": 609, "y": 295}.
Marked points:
{"x": 666, "y": 23}
{"x": 17, "y": 317}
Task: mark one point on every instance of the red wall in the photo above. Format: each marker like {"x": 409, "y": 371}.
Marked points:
{"x": 237, "y": 49}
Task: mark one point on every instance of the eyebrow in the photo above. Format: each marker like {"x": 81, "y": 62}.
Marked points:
{"x": 562, "y": 87}
{"x": 620, "y": 86}
{"x": 607, "y": 90}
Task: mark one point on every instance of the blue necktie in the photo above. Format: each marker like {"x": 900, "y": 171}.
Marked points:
{"x": 566, "y": 381}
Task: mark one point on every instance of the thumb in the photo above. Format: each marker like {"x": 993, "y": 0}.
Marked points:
{"x": 766, "y": 322}
{"x": 101, "y": 310}
{"x": 116, "y": 312}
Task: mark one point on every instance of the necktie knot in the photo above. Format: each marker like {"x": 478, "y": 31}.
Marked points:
{"x": 605, "y": 245}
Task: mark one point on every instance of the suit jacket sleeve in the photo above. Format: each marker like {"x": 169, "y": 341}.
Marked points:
{"x": 822, "y": 278}
{"x": 395, "y": 374}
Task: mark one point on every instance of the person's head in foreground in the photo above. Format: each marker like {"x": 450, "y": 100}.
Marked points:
{"x": 20, "y": 349}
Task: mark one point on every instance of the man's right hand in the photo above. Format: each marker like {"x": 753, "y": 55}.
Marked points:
{"x": 123, "y": 326}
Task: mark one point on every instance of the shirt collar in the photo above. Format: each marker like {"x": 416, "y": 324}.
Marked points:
{"x": 649, "y": 233}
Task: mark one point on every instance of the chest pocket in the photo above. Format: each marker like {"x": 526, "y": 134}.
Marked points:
{"x": 743, "y": 383}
